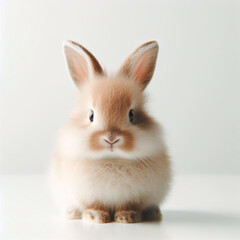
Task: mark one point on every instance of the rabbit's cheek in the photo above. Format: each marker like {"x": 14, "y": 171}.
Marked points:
{"x": 95, "y": 143}
{"x": 128, "y": 141}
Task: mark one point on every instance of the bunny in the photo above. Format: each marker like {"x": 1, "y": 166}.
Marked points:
{"x": 110, "y": 162}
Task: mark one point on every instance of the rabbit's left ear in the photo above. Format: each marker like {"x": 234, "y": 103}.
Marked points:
{"x": 141, "y": 63}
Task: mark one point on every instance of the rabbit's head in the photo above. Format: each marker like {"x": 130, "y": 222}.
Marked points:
{"x": 110, "y": 110}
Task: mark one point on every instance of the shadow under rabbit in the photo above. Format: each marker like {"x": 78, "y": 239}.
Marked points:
{"x": 195, "y": 217}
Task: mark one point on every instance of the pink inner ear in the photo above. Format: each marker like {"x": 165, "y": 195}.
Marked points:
{"x": 141, "y": 67}
{"x": 78, "y": 67}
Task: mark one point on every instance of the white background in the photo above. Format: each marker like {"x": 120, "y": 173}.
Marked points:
{"x": 194, "y": 92}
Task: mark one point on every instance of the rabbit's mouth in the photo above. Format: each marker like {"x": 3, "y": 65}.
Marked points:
{"x": 111, "y": 148}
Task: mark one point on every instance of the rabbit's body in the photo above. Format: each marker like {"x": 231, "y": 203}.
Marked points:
{"x": 112, "y": 182}
{"x": 110, "y": 160}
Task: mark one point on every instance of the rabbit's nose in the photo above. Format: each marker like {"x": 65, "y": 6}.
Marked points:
{"x": 111, "y": 142}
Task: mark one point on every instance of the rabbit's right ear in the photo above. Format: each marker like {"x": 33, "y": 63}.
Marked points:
{"x": 80, "y": 62}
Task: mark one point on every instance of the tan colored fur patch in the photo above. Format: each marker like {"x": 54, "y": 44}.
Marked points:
{"x": 94, "y": 141}
{"x": 143, "y": 120}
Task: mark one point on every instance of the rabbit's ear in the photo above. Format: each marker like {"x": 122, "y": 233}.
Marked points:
{"x": 141, "y": 63}
{"x": 80, "y": 62}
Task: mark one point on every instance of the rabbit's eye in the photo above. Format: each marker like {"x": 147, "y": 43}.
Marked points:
{"x": 131, "y": 115}
{"x": 91, "y": 117}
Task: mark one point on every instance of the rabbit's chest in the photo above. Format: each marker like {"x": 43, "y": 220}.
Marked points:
{"x": 113, "y": 181}
{"x": 114, "y": 175}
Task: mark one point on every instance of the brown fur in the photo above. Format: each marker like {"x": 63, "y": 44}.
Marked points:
{"x": 143, "y": 120}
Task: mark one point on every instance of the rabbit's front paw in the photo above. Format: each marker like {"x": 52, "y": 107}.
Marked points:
{"x": 98, "y": 216}
{"x": 73, "y": 213}
{"x": 127, "y": 216}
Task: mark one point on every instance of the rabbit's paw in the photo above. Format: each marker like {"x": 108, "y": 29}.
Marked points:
{"x": 152, "y": 213}
{"x": 127, "y": 216}
{"x": 98, "y": 216}
{"x": 73, "y": 214}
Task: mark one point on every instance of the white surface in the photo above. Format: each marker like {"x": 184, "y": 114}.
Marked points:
{"x": 194, "y": 92}
{"x": 199, "y": 207}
